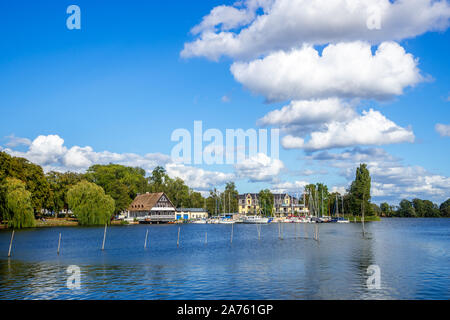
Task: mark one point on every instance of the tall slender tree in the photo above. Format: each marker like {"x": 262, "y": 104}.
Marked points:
{"x": 359, "y": 194}
{"x": 19, "y": 207}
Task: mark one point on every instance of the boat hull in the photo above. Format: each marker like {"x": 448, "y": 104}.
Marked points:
{"x": 256, "y": 221}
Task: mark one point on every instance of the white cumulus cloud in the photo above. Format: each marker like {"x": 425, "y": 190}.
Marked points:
{"x": 197, "y": 178}
{"x": 286, "y": 24}
{"x": 259, "y": 168}
{"x": 289, "y": 187}
{"x": 443, "y": 129}
{"x": 14, "y": 141}
{"x": 370, "y": 128}
{"x": 343, "y": 70}
{"x": 51, "y": 153}
{"x": 392, "y": 180}
{"x": 307, "y": 115}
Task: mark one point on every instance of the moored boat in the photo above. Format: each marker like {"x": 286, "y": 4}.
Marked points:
{"x": 256, "y": 220}
{"x": 200, "y": 221}
{"x": 226, "y": 221}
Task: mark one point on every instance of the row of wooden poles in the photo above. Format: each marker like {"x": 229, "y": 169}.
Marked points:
{"x": 305, "y": 231}
{"x": 258, "y": 228}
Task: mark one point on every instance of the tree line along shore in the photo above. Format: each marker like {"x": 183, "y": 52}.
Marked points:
{"x": 103, "y": 191}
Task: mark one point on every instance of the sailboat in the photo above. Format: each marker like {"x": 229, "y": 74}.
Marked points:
{"x": 257, "y": 219}
{"x": 313, "y": 218}
{"x": 342, "y": 220}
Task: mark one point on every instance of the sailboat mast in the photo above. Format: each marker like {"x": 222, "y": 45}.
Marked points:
{"x": 304, "y": 200}
{"x": 292, "y": 205}
{"x": 337, "y": 206}
{"x": 321, "y": 199}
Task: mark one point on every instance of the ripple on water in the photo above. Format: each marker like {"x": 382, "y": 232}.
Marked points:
{"x": 413, "y": 257}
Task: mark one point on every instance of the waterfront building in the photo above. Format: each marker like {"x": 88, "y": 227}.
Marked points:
{"x": 152, "y": 208}
{"x": 248, "y": 204}
{"x": 283, "y": 205}
{"x": 191, "y": 213}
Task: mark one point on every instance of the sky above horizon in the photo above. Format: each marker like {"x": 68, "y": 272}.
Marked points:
{"x": 346, "y": 81}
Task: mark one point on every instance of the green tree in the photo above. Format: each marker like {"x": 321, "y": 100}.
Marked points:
{"x": 431, "y": 210}
{"x": 60, "y": 184}
{"x": 311, "y": 197}
{"x": 212, "y": 202}
{"x": 375, "y": 209}
{"x": 120, "y": 182}
{"x": 90, "y": 204}
{"x": 231, "y": 197}
{"x": 197, "y": 200}
{"x": 19, "y": 208}
{"x": 157, "y": 181}
{"x": 266, "y": 202}
{"x": 419, "y": 207}
{"x": 360, "y": 192}
{"x": 445, "y": 208}
{"x": 178, "y": 192}
{"x": 323, "y": 197}
{"x": 386, "y": 210}
{"x": 31, "y": 174}
{"x": 406, "y": 209}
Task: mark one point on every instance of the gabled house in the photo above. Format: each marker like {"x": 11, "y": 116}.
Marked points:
{"x": 152, "y": 208}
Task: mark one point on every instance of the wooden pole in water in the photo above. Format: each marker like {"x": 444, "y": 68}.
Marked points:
{"x": 232, "y": 229}
{"x": 178, "y": 239}
{"x": 146, "y": 237}
{"x": 104, "y": 238}
{"x": 295, "y": 230}
{"x": 279, "y": 230}
{"x": 362, "y": 207}
{"x": 59, "y": 244}
{"x": 10, "y": 244}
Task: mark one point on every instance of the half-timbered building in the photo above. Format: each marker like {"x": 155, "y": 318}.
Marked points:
{"x": 152, "y": 208}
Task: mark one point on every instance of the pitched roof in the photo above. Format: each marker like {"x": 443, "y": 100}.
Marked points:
{"x": 253, "y": 195}
{"x": 145, "y": 202}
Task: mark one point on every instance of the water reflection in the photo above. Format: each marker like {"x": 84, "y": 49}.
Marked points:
{"x": 413, "y": 260}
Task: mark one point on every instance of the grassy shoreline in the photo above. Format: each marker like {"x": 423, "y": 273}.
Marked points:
{"x": 58, "y": 222}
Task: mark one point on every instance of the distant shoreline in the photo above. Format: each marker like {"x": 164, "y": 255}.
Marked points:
{"x": 70, "y": 222}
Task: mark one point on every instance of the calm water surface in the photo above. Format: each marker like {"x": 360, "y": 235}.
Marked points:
{"x": 413, "y": 256}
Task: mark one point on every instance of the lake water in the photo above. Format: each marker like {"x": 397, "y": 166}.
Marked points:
{"x": 413, "y": 256}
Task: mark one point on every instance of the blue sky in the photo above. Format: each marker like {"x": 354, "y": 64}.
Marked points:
{"x": 122, "y": 85}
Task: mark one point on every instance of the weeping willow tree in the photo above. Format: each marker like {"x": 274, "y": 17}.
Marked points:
{"x": 19, "y": 205}
{"x": 90, "y": 204}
